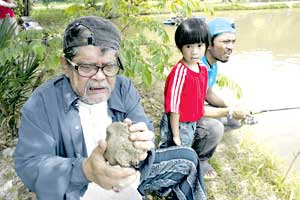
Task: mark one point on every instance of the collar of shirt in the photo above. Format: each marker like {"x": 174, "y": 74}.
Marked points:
{"x": 207, "y": 65}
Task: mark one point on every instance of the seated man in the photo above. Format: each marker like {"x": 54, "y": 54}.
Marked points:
{"x": 59, "y": 155}
{"x": 219, "y": 115}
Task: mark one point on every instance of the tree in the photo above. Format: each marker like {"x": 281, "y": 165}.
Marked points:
{"x": 26, "y": 10}
{"x": 145, "y": 55}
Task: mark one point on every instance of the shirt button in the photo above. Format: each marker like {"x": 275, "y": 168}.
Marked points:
{"x": 76, "y": 127}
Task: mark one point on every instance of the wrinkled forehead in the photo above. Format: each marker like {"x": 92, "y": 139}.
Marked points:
{"x": 91, "y": 53}
{"x": 226, "y": 36}
{"x": 97, "y": 50}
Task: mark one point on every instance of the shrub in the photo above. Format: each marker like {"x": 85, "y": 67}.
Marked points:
{"x": 20, "y": 58}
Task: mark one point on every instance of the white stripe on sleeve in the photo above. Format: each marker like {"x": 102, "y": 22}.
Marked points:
{"x": 179, "y": 78}
{"x": 180, "y": 90}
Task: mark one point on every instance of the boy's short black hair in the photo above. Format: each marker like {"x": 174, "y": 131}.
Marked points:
{"x": 190, "y": 31}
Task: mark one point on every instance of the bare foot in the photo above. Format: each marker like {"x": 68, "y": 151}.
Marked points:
{"x": 208, "y": 171}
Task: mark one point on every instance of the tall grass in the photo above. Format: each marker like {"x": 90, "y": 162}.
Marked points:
{"x": 249, "y": 171}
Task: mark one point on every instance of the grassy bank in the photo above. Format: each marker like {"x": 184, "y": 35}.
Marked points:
{"x": 249, "y": 171}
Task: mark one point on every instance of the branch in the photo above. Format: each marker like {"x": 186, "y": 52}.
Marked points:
{"x": 126, "y": 26}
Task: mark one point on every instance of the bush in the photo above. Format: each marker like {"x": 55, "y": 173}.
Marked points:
{"x": 21, "y": 59}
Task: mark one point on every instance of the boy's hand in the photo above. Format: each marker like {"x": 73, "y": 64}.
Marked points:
{"x": 177, "y": 140}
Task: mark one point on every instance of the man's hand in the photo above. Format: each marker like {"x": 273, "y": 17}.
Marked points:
{"x": 240, "y": 113}
{"x": 97, "y": 170}
{"x": 141, "y": 137}
{"x": 177, "y": 140}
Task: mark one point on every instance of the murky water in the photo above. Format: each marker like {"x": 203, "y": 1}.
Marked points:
{"x": 266, "y": 64}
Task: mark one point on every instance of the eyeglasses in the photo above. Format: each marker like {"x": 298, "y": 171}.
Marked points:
{"x": 89, "y": 70}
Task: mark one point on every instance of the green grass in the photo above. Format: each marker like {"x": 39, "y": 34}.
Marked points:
{"x": 249, "y": 171}
{"x": 296, "y": 5}
{"x": 245, "y": 6}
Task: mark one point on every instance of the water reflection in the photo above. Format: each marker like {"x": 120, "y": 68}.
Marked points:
{"x": 275, "y": 30}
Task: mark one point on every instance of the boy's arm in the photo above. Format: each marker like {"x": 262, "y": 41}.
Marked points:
{"x": 174, "y": 121}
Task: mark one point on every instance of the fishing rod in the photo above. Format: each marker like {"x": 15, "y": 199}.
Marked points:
{"x": 271, "y": 110}
{"x": 250, "y": 119}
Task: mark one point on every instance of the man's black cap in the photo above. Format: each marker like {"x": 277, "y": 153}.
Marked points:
{"x": 92, "y": 30}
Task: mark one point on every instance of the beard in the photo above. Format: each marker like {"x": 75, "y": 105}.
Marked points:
{"x": 222, "y": 61}
{"x": 224, "y": 58}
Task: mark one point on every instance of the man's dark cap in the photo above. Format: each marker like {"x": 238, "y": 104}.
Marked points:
{"x": 92, "y": 30}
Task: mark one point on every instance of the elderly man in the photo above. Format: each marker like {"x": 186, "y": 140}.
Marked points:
{"x": 62, "y": 134}
{"x": 218, "y": 113}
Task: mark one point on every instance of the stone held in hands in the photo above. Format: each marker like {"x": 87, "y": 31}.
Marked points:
{"x": 120, "y": 150}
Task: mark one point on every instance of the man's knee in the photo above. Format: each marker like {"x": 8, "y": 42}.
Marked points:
{"x": 213, "y": 128}
{"x": 216, "y": 130}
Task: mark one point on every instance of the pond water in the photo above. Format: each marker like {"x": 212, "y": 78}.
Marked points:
{"x": 266, "y": 64}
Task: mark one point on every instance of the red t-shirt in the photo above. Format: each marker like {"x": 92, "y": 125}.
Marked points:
{"x": 185, "y": 92}
{"x": 4, "y": 11}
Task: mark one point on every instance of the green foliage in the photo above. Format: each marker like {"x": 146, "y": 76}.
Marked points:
{"x": 142, "y": 55}
{"x": 183, "y": 7}
{"x": 145, "y": 46}
{"x": 72, "y": 10}
{"x": 296, "y": 5}
{"x": 6, "y": 33}
{"x": 145, "y": 49}
{"x": 16, "y": 74}
{"x": 90, "y": 3}
{"x": 78, "y": 10}
{"x": 45, "y": 44}
{"x": 243, "y": 6}
{"x": 20, "y": 8}
{"x": 46, "y": 3}
{"x": 53, "y": 20}
{"x": 22, "y": 61}
{"x": 224, "y": 81}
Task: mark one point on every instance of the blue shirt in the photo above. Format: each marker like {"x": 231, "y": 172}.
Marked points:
{"x": 51, "y": 148}
{"x": 212, "y": 72}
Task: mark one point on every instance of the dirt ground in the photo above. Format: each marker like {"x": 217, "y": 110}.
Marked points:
{"x": 152, "y": 100}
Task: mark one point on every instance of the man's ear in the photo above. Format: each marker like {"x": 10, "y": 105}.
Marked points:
{"x": 65, "y": 65}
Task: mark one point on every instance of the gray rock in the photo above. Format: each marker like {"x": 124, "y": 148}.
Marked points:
{"x": 120, "y": 150}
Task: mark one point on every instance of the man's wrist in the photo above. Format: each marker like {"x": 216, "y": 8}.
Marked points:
{"x": 230, "y": 113}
